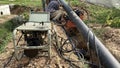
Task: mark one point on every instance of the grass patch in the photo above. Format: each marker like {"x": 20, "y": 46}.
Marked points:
{"x": 23, "y": 2}
{"x": 6, "y": 32}
{"x": 105, "y": 16}
{"x": 5, "y": 36}
{"x": 100, "y": 14}
{"x": 113, "y": 18}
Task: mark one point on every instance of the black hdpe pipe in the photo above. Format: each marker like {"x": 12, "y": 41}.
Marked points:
{"x": 106, "y": 58}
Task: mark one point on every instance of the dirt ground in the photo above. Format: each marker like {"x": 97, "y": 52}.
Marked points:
{"x": 110, "y": 36}
{"x": 36, "y": 62}
{"x": 112, "y": 41}
{"x": 17, "y": 9}
{"x": 6, "y": 18}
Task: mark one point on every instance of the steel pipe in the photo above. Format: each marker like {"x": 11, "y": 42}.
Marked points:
{"x": 106, "y": 58}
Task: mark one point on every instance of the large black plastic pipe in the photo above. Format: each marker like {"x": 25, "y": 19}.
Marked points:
{"x": 106, "y": 58}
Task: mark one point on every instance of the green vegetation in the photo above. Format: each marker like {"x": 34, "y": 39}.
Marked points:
{"x": 75, "y": 2}
{"x": 107, "y": 16}
{"x": 113, "y": 18}
{"x": 5, "y": 35}
{"x": 99, "y": 14}
{"x": 6, "y": 30}
{"x": 29, "y": 3}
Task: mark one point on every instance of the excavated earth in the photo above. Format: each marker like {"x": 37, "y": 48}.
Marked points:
{"x": 112, "y": 41}
{"x": 109, "y": 36}
{"x": 17, "y": 9}
{"x": 36, "y": 62}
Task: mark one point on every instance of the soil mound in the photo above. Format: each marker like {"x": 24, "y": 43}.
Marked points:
{"x": 17, "y": 9}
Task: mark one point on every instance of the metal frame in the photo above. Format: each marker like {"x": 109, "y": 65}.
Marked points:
{"x": 34, "y": 25}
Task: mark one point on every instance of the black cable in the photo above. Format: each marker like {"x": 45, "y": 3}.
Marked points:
{"x": 73, "y": 48}
{"x": 19, "y": 39}
{"x": 61, "y": 52}
{"x": 64, "y": 44}
{"x": 10, "y": 58}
